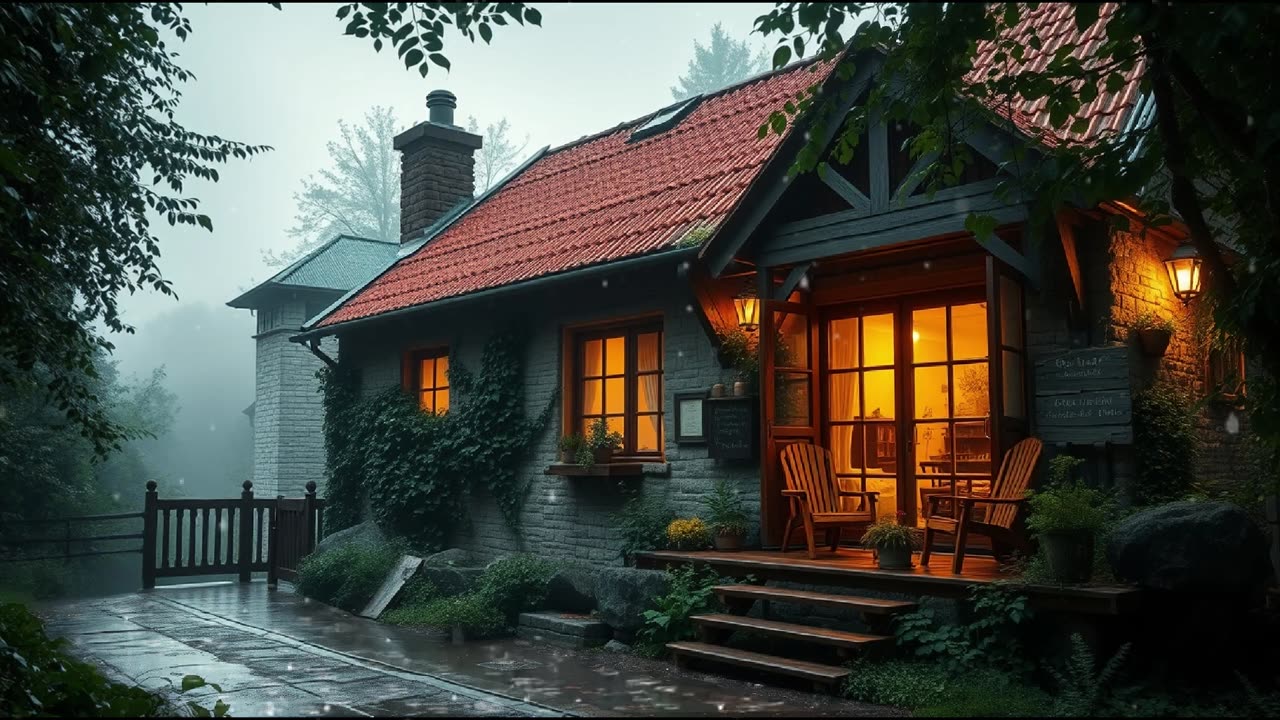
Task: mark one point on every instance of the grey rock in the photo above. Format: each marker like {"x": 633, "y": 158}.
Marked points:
{"x": 623, "y": 593}
{"x": 366, "y": 534}
{"x": 1190, "y": 547}
{"x": 453, "y": 557}
{"x": 573, "y": 589}
{"x": 452, "y": 580}
{"x": 615, "y": 646}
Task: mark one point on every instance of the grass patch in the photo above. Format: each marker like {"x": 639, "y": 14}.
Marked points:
{"x": 471, "y": 612}
{"x": 929, "y": 690}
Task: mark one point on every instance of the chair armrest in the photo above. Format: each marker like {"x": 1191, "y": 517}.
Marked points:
{"x": 970, "y": 500}
{"x": 935, "y": 498}
{"x": 860, "y": 493}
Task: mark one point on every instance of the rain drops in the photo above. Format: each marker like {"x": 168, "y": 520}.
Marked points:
{"x": 1232, "y": 425}
{"x": 213, "y": 427}
{"x": 804, "y": 281}
{"x": 928, "y": 264}
{"x": 688, "y": 308}
{"x": 605, "y": 283}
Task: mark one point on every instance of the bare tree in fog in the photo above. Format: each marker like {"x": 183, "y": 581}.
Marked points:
{"x": 498, "y": 155}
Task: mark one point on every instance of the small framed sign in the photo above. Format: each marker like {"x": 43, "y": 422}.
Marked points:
{"x": 689, "y": 418}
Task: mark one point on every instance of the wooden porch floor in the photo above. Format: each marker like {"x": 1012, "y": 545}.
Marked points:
{"x": 856, "y": 568}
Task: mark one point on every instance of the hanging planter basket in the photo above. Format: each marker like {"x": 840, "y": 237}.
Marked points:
{"x": 1154, "y": 341}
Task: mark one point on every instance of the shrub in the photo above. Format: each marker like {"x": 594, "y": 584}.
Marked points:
{"x": 1082, "y": 688}
{"x": 471, "y": 612}
{"x": 515, "y": 584}
{"x": 897, "y": 683}
{"x": 347, "y": 576}
{"x": 1147, "y": 320}
{"x": 1067, "y": 504}
{"x": 1164, "y": 442}
{"x": 37, "y": 677}
{"x": 642, "y": 522}
{"x": 689, "y": 593}
{"x": 992, "y": 640}
{"x": 988, "y": 693}
{"x": 687, "y": 534}
{"x": 417, "y": 590}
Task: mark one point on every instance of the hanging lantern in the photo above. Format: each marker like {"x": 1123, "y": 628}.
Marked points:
{"x": 1184, "y": 272}
{"x": 747, "y": 305}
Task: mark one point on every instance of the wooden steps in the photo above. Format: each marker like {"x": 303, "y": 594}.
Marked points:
{"x": 716, "y": 628}
{"x": 866, "y": 606}
{"x": 791, "y": 631}
{"x": 826, "y": 675}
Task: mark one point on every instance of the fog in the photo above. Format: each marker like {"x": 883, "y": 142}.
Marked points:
{"x": 285, "y": 78}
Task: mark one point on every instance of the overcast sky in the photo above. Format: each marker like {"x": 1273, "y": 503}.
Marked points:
{"x": 285, "y": 77}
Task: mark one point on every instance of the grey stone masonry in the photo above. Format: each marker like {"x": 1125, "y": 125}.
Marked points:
{"x": 437, "y": 171}
{"x": 288, "y": 437}
{"x": 569, "y": 518}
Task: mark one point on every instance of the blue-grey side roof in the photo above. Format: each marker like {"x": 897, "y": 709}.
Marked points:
{"x": 342, "y": 263}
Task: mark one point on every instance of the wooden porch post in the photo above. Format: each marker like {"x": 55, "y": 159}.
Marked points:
{"x": 273, "y": 543}
{"x": 149, "y": 537}
{"x": 309, "y": 513}
{"x": 246, "y": 532}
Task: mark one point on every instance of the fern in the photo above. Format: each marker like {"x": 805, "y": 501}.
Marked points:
{"x": 1257, "y": 704}
{"x": 1082, "y": 691}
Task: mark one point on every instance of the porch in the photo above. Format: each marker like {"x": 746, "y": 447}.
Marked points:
{"x": 856, "y": 568}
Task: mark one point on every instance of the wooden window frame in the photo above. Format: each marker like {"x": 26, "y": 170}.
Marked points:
{"x": 573, "y": 363}
{"x": 1216, "y": 360}
{"x": 411, "y": 373}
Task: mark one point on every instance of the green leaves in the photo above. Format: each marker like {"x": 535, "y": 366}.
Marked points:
{"x": 781, "y": 57}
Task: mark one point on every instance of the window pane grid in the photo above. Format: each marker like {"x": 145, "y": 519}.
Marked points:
{"x": 619, "y": 375}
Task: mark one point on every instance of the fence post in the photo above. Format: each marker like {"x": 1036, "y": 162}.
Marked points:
{"x": 273, "y": 544}
{"x": 309, "y": 513}
{"x": 149, "y": 537}
{"x": 246, "y": 532}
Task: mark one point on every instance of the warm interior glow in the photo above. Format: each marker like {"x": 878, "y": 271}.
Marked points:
{"x": 915, "y": 336}
{"x": 747, "y": 306}
{"x": 1184, "y": 273}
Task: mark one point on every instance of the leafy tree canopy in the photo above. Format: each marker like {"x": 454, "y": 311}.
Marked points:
{"x": 1209, "y": 156}
{"x": 724, "y": 62}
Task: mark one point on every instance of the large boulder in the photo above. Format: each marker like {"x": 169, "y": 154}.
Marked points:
{"x": 1190, "y": 547}
{"x": 367, "y": 534}
{"x": 452, "y": 580}
{"x": 453, "y": 557}
{"x": 623, "y": 593}
{"x": 573, "y": 589}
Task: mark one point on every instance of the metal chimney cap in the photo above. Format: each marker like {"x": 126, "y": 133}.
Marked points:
{"x": 440, "y": 106}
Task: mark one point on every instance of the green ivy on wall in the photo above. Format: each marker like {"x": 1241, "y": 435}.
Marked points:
{"x": 416, "y": 469}
{"x": 1164, "y": 442}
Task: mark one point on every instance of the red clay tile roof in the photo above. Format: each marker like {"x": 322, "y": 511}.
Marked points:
{"x": 603, "y": 199}
{"x": 596, "y": 201}
{"x": 1055, "y": 25}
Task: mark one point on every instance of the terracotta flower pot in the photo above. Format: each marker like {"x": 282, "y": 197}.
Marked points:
{"x": 1154, "y": 341}
{"x": 717, "y": 390}
{"x": 727, "y": 542}
{"x": 567, "y": 457}
{"x": 602, "y": 456}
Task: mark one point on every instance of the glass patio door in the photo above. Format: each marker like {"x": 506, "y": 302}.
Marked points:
{"x": 906, "y": 399}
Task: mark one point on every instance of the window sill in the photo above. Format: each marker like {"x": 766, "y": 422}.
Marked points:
{"x": 615, "y": 469}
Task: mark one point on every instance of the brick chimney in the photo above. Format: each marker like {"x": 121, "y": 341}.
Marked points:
{"x": 437, "y": 166}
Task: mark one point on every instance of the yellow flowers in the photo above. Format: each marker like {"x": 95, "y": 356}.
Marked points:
{"x": 687, "y": 534}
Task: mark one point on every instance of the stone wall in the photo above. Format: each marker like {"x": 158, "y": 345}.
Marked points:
{"x": 1140, "y": 283}
{"x": 569, "y": 518}
{"x": 288, "y": 438}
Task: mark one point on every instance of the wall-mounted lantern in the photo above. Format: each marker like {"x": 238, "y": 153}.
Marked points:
{"x": 747, "y": 305}
{"x": 1184, "y": 272}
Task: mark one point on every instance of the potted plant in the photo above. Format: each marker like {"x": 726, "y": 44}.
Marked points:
{"x": 728, "y": 518}
{"x": 687, "y": 534}
{"x": 602, "y": 442}
{"x": 569, "y": 446}
{"x": 1065, "y": 518}
{"x": 741, "y": 351}
{"x": 1153, "y": 332}
{"x": 893, "y": 542}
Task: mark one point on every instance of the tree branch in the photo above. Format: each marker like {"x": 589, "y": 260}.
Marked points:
{"x": 1183, "y": 192}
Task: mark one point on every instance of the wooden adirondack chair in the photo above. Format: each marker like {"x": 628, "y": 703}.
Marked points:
{"x": 993, "y": 516}
{"x": 815, "y": 495}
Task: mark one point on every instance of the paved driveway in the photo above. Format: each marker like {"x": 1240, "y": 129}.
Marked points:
{"x": 277, "y": 654}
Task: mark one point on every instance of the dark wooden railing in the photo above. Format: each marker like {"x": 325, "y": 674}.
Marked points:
{"x": 228, "y": 537}
{"x": 74, "y": 543}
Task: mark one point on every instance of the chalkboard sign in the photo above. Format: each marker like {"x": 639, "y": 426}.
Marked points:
{"x": 732, "y": 427}
{"x": 1083, "y": 396}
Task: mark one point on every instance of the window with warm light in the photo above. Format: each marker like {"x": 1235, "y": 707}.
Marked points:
{"x": 1224, "y": 370}
{"x": 618, "y": 377}
{"x": 430, "y": 379}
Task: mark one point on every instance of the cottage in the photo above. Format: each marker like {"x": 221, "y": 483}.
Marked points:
{"x": 887, "y": 334}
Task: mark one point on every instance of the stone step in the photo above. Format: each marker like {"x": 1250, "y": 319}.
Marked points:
{"x": 823, "y": 675}
{"x": 565, "y": 629}
{"x": 864, "y": 605}
{"x": 791, "y": 631}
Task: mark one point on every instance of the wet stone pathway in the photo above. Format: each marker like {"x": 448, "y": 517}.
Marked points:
{"x": 277, "y": 654}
